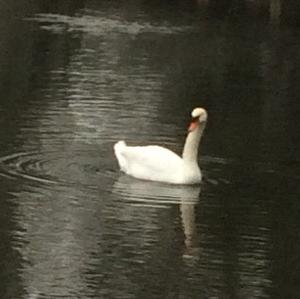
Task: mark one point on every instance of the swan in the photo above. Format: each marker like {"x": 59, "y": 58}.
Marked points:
{"x": 156, "y": 163}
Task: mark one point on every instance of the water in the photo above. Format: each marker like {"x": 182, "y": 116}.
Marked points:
{"x": 76, "y": 78}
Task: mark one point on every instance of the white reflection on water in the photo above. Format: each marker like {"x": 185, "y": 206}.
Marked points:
{"x": 99, "y": 25}
{"x": 158, "y": 195}
{"x": 96, "y": 98}
{"x": 55, "y": 240}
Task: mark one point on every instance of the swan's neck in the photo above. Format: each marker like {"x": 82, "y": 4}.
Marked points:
{"x": 191, "y": 146}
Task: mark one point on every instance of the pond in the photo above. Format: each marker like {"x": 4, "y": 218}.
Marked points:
{"x": 75, "y": 78}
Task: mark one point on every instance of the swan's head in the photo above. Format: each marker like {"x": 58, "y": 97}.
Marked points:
{"x": 199, "y": 116}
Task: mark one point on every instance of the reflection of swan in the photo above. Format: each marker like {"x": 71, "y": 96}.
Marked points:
{"x": 188, "y": 221}
{"x": 157, "y": 163}
{"x": 160, "y": 195}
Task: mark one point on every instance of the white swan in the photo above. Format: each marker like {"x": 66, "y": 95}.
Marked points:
{"x": 157, "y": 163}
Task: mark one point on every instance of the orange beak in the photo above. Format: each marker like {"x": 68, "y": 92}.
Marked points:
{"x": 193, "y": 125}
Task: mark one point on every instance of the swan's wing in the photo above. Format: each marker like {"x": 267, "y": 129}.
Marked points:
{"x": 148, "y": 162}
{"x": 152, "y": 156}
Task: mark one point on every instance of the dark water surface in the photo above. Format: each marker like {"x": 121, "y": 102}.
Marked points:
{"x": 75, "y": 77}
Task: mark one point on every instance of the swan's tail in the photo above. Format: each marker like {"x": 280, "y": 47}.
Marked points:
{"x": 119, "y": 148}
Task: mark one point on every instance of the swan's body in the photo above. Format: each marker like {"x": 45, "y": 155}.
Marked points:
{"x": 157, "y": 163}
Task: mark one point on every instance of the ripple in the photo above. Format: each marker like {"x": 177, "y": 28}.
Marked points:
{"x": 154, "y": 194}
{"x": 54, "y": 168}
{"x": 101, "y": 25}
{"x": 220, "y": 171}
{"x": 24, "y": 165}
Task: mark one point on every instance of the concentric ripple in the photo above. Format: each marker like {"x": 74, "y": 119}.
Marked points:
{"x": 26, "y": 165}
{"x": 53, "y": 168}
